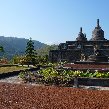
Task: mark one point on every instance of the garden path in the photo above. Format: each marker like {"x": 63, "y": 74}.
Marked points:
{"x": 17, "y": 80}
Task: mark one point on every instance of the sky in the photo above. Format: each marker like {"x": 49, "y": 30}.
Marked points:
{"x": 52, "y": 21}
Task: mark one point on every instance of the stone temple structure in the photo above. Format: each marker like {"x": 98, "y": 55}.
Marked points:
{"x": 95, "y": 49}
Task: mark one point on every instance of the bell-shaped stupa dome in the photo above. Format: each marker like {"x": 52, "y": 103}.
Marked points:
{"x": 97, "y": 33}
{"x": 81, "y": 36}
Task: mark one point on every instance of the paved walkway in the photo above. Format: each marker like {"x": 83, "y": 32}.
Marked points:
{"x": 14, "y": 79}
{"x": 17, "y": 80}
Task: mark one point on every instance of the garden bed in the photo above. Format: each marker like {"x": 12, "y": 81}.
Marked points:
{"x": 17, "y": 96}
{"x": 62, "y": 77}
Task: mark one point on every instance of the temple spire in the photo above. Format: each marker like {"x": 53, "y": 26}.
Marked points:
{"x": 80, "y": 29}
{"x": 84, "y": 34}
{"x": 98, "y": 23}
{"x": 81, "y": 36}
{"x": 98, "y": 33}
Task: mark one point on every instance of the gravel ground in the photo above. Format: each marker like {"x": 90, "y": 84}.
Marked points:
{"x": 17, "y": 96}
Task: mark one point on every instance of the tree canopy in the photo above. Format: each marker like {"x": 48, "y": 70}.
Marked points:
{"x": 30, "y": 52}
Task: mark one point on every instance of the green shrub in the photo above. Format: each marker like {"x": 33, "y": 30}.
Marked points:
{"x": 59, "y": 77}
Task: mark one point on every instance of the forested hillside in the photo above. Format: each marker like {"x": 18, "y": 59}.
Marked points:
{"x": 16, "y": 46}
{"x": 45, "y": 50}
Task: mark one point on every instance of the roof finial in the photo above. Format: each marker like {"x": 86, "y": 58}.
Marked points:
{"x": 98, "y": 23}
{"x": 81, "y": 29}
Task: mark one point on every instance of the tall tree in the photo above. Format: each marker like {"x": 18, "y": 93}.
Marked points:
{"x": 30, "y": 52}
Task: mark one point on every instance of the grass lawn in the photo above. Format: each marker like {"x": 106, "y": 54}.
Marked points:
{"x": 11, "y": 68}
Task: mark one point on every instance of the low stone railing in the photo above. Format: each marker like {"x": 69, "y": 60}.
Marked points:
{"x": 93, "y": 81}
